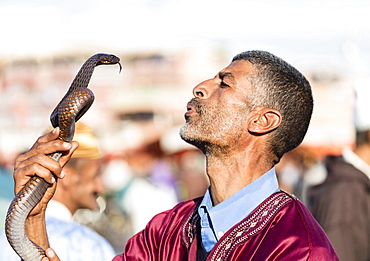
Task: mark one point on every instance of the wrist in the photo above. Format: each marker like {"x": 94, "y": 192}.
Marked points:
{"x": 36, "y": 230}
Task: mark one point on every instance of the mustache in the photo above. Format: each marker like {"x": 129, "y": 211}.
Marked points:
{"x": 197, "y": 104}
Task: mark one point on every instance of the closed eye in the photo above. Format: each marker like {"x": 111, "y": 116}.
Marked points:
{"x": 225, "y": 76}
{"x": 224, "y": 85}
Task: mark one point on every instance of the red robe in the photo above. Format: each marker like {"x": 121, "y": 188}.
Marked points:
{"x": 280, "y": 228}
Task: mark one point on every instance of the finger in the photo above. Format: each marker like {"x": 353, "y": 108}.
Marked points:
{"x": 44, "y": 168}
{"x": 52, "y": 135}
{"x": 51, "y": 255}
{"x": 68, "y": 154}
{"x": 21, "y": 179}
{"x": 47, "y": 148}
{"x": 43, "y": 160}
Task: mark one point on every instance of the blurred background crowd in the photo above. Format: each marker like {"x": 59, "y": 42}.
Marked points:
{"x": 166, "y": 48}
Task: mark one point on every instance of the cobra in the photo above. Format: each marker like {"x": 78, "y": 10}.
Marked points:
{"x": 70, "y": 109}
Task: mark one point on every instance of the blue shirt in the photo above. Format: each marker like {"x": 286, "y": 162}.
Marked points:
{"x": 216, "y": 220}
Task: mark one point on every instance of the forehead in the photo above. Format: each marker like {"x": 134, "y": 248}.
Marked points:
{"x": 91, "y": 168}
{"x": 239, "y": 69}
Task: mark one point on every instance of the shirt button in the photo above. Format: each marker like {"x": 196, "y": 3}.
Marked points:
{"x": 220, "y": 234}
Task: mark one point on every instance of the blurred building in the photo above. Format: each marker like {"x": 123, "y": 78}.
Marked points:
{"x": 132, "y": 107}
{"x": 146, "y": 102}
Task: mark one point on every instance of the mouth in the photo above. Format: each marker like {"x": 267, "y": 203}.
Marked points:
{"x": 190, "y": 108}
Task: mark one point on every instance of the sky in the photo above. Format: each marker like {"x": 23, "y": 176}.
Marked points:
{"x": 300, "y": 28}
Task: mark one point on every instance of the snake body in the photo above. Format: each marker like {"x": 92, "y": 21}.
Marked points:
{"x": 70, "y": 109}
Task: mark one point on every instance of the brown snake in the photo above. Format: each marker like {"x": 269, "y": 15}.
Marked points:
{"x": 70, "y": 109}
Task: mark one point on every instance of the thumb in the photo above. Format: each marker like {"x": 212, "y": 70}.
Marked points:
{"x": 51, "y": 255}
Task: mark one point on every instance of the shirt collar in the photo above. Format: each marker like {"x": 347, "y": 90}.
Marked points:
{"x": 239, "y": 205}
{"x": 350, "y": 157}
{"x": 57, "y": 210}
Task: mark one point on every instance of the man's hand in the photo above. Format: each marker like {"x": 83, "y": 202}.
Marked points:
{"x": 51, "y": 255}
{"x": 37, "y": 162}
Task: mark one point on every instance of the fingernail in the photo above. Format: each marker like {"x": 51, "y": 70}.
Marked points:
{"x": 50, "y": 253}
{"x": 52, "y": 180}
{"x": 66, "y": 144}
{"x": 62, "y": 174}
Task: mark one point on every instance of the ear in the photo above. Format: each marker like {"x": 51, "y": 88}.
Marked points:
{"x": 263, "y": 120}
{"x": 66, "y": 181}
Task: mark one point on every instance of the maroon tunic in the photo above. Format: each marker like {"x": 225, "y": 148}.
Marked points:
{"x": 280, "y": 228}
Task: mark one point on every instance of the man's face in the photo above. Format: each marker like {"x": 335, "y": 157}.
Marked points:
{"x": 218, "y": 113}
{"x": 88, "y": 186}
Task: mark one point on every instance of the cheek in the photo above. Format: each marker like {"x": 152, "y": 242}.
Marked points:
{"x": 82, "y": 191}
{"x": 231, "y": 120}
{"x": 85, "y": 197}
{"x": 87, "y": 187}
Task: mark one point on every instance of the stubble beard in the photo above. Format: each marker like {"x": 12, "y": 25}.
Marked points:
{"x": 211, "y": 130}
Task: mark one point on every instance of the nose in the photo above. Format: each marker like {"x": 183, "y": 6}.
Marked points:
{"x": 99, "y": 186}
{"x": 201, "y": 91}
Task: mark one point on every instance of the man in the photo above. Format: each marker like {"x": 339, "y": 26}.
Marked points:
{"x": 78, "y": 190}
{"x": 243, "y": 120}
{"x": 341, "y": 204}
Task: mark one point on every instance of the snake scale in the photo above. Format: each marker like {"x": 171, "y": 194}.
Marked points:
{"x": 70, "y": 109}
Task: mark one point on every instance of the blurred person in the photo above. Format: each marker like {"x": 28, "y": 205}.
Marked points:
{"x": 79, "y": 189}
{"x": 243, "y": 120}
{"x": 146, "y": 190}
{"x": 192, "y": 181}
{"x": 289, "y": 170}
{"x": 294, "y": 169}
{"x": 341, "y": 203}
{"x": 6, "y": 191}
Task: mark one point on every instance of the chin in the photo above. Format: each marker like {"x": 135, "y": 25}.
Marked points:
{"x": 195, "y": 142}
{"x": 187, "y": 132}
{"x": 186, "y": 135}
{"x": 93, "y": 208}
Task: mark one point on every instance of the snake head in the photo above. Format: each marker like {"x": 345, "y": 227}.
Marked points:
{"x": 109, "y": 59}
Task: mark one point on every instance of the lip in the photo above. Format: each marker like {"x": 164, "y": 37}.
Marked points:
{"x": 190, "y": 109}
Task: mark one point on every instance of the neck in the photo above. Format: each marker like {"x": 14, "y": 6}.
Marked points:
{"x": 64, "y": 199}
{"x": 230, "y": 172}
{"x": 363, "y": 151}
